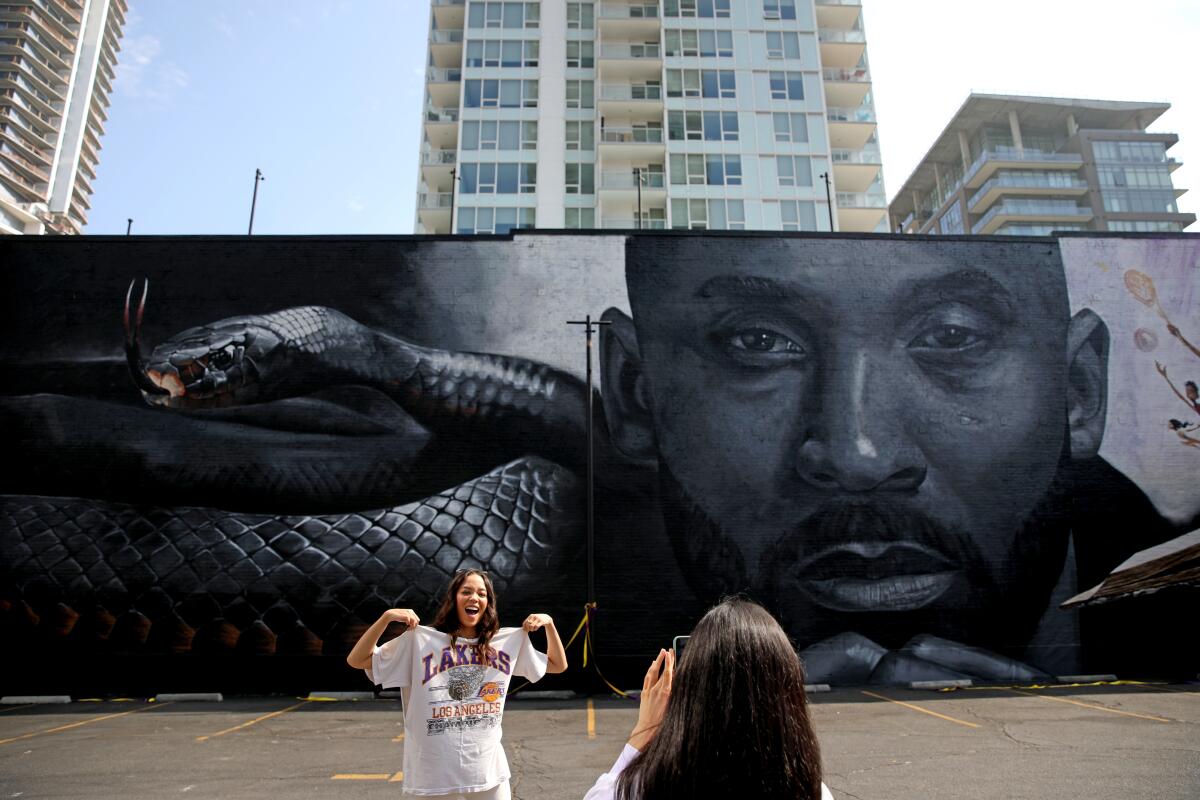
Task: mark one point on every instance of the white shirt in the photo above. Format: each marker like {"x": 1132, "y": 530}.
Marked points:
{"x": 606, "y": 786}
{"x": 453, "y": 704}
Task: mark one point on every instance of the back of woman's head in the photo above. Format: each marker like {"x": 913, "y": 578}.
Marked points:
{"x": 737, "y": 721}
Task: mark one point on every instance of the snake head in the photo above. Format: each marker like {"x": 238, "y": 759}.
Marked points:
{"x": 213, "y": 365}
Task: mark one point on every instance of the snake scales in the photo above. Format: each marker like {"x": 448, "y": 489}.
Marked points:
{"x": 138, "y": 575}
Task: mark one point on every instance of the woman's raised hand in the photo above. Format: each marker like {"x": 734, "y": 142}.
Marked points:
{"x": 405, "y": 616}
{"x": 652, "y": 705}
{"x": 536, "y": 621}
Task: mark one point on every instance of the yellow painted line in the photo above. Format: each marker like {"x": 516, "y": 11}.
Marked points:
{"x": 362, "y": 776}
{"x": 1167, "y": 690}
{"x": 1092, "y": 705}
{"x": 397, "y": 778}
{"x": 81, "y": 722}
{"x": 399, "y": 738}
{"x": 15, "y": 708}
{"x": 254, "y": 721}
{"x": 922, "y": 710}
{"x": 591, "y": 719}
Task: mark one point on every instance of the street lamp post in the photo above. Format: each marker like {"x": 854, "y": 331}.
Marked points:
{"x": 637, "y": 171}
{"x": 589, "y": 328}
{"x": 453, "y": 185}
{"x": 258, "y": 176}
{"x": 128, "y": 226}
{"x": 828, "y": 199}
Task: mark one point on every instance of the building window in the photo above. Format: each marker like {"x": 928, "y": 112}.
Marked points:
{"x": 507, "y": 53}
{"x": 790, "y": 127}
{"x": 720, "y": 126}
{"x": 1143, "y": 226}
{"x": 488, "y": 135}
{"x": 493, "y": 220}
{"x": 1139, "y": 201}
{"x": 685, "y": 125}
{"x": 581, "y": 16}
{"x": 1130, "y": 152}
{"x": 696, "y": 8}
{"x": 581, "y": 54}
{"x": 581, "y": 94}
{"x": 779, "y": 9}
{"x": 794, "y": 170}
{"x": 700, "y": 214}
{"x": 711, "y": 170}
{"x": 495, "y": 14}
{"x": 581, "y": 218}
{"x": 701, "y": 83}
{"x": 705, "y": 44}
{"x": 783, "y": 44}
{"x": 787, "y": 86}
{"x": 581, "y": 135}
{"x": 797, "y": 215}
{"x": 503, "y": 178}
{"x": 952, "y": 221}
{"x": 581, "y": 178}
{"x": 492, "y": 93}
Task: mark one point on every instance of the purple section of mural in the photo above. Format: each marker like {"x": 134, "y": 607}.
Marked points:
{"x": 904, "y": 447}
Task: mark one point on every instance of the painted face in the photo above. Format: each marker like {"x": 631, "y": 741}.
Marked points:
{"x": 864, "y": 434}
{"x": 470, "y": 601}
{"x": 1191, "y": 391}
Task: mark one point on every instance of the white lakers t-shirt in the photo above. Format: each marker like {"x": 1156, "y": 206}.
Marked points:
{"x": 453, "y": 703}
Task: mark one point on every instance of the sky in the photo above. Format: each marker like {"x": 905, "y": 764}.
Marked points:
{"x": 325, "y": 97}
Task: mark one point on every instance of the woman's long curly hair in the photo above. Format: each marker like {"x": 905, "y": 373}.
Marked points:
{"x": 736, "y": 724}
{"x": 446, "y": 619}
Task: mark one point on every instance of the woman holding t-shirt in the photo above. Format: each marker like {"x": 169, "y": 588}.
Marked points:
{"x": 732, "y": 722}
{"x": 453, "y": 679}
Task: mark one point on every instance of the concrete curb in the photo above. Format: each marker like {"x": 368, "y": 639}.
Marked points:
{"x": 954, "y": 684}
{"x": 1085, "y": 678}
{"x": 26, "y": 699}
{"x": 189, "y": 697}
{"x": 813, "y": 688}
{"x": 340, "y": 696}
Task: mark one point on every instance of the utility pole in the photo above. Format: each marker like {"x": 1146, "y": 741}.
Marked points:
{"x": 589, "y": 328}
{"x": 637, "y": 171}
{"x": 828, "y": 199}
{"x": 453, "y": 186}
{"x": 129, "y": 226}
{"x": 258, "y": 176}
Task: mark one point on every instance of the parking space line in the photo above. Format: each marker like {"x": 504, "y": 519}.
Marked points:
{"x": 15, "y": 708}
{"x": 361, "y": 776}
{"x": 399, "y": 738}
{"x": 922, "y": 710}
{"x": 81, "y": 722}
{"x": 591, "y": 719}
{"x": 254, "y": 721}
{"x": 398, "y": 777}
{"x": 1092, "y": 705}
{"x": 1167, "y": 690}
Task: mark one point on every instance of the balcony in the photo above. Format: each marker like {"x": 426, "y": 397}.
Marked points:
{"x": 433, "y": 158}
{"x": 860, "y": 212}
{"x": 437, "y": 167}
{"x": 985, "y": 166}
{"x": 449, "y": 14}
{"x": 847, "y": 88}
{"x": 631, "y": 100}
{"x": 1048, "y": 184}
{"x": 443, "y": 85}
{"x": 622, "y": 20}
{"x": 842, "y": 14}
{"x": 433, "y": 211}
{"x": 841, "y": 49}
{"x": 850, "y": 128}
{"x": 631, "y": 224}
{"x": 631, "y": 144}
{"x": 445, "y": 47}
{"x": 1026, "y": 211}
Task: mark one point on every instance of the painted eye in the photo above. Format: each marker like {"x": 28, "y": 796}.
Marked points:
{"x": 948, "y": 337}
{"x": 763, "y": 340}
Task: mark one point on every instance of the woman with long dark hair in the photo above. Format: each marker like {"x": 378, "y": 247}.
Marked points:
{"x": 453, "y": 679}
{"x": 731, "y": 721}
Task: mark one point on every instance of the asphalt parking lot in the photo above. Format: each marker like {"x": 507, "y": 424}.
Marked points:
{"x": 1103, "y": 741}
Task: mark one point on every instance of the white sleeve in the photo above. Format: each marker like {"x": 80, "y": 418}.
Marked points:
{"x": 825, "y": 793}
{"x": 391, "y": 663}
{"x": 531, "y": 663}
{"x": 606, "y": 786}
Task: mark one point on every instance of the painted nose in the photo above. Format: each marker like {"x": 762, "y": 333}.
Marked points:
{"x": 858, "y": 441}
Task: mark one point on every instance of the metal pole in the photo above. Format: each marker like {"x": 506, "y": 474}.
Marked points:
{"x": 638, "y": 171}
{"x": 589, "y": 324}
{"x": 258, "y": 176}
{"x": 129, "y": 226}
{"x": 828, "y": 200}
{"x": 453, "y": 182}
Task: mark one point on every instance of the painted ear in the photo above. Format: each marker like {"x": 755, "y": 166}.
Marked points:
{"x": 1087, "y": 382}
{"x": 623, "y": 387}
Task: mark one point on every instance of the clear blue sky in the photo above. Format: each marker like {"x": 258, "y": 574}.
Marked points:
{"x": 325, "y": 98}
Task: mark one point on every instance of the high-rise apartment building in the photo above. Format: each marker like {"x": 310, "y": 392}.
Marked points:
{"x": 57, "y": 61}
{"x": 673, "y": 114}
{"x": 1031, "y": 165}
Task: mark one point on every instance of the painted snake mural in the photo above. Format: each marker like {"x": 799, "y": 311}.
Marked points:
{"x": 242, "y": 576}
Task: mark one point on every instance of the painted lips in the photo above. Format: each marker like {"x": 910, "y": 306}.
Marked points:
{"x": 876, "y": 576}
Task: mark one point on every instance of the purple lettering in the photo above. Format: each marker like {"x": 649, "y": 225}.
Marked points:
{"x": 429, "y": 671}
{"x": 491, "y": 658}
{"x": 460, "y": 651}
{"x": 505, "y": 663}
{"x": 447, "y": 660}
{"x": 475, "y": 655}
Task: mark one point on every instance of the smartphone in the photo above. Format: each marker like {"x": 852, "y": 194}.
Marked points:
{"x": 677, "y": 645}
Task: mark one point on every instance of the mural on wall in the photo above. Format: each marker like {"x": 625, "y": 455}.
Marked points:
{"x": 905, "y": 447}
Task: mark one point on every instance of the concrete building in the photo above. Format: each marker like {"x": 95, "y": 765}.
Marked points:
{"x": 57, "y": 61}
{"x": 680, "y": 113}
{"x": 1031, "y": 165}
